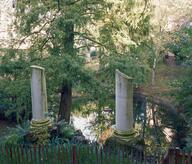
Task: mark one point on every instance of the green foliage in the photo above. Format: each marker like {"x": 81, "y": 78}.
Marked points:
{"x": 21, "y": 134}
{"x": 14, "y": 88}
{"x": 53, "y": 31}
{"x": 189, "y": 138}
{"x": 16, "y": 135}
{"x": 126, "y": 25}
{"x": 66, "y": 130}
{"x": 130, "y": 65}
{"x": 183, "y": 95}
{"x": 58, "y": 140}
{"x": 181, "y": 45}
{"x": 49, "y": 51}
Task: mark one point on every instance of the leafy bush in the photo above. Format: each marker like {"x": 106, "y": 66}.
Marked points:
{"x": 16, "y": 135}
{"x": 66, "y": 130}
{"x": 21, "y": 134}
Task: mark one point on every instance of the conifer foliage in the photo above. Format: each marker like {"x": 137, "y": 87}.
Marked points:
{"x": 54, "y": 31}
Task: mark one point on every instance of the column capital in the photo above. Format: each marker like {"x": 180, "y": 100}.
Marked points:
{"x": 37, "y": 67}
{"x": 123, "y": 75}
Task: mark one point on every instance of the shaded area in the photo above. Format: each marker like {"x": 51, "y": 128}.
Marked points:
{"x": 4, "y": 127}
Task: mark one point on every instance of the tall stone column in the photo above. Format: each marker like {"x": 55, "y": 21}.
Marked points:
{"x": 38, "y": 93}
{"x": 40, "y": 121}
{"x": 124, "y": 106}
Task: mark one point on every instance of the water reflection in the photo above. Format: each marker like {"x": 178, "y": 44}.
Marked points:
{"x": 85, "y": 125}
{"x": 158, "y": 126}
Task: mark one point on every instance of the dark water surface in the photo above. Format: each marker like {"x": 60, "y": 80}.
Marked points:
{"x": 4, "y": 127}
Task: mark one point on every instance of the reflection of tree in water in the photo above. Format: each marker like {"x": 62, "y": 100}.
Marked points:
{"x": 158, "y": 126}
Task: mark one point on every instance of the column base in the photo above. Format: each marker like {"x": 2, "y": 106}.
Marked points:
{"x": 39, "y": 129}
{"x": 125, "y": 136}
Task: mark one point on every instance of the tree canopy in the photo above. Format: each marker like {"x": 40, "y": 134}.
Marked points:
{"x": 55, "y": 32}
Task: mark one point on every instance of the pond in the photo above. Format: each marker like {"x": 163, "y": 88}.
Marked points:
{"x": 85, "y": 125}
{"x": 161, "y": 122}
{"x": 156, "y": 124}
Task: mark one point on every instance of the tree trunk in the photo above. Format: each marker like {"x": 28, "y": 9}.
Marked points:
{"x": 143, "y": 107}
{"x": 68, "y": 39}
{"x": 65, "y": 102}
{"x": 157, "y": 50}
{"x": 153, "y": 72}
{"x": 155, "y": 124}
{"x": 66, "y": 88}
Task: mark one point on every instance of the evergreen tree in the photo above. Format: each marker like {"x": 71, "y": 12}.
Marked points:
{"x": 50, "y": 28}
{"x": 55, "y": 31}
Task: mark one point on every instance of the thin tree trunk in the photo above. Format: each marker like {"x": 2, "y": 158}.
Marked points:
{"x": 155, "y": 124}
{"x": 144, "y": 108}
{"x": 153, "y": 71}
{"x": 65, "y": 102}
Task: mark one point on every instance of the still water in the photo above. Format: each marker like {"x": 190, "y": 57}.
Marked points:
{"x": 158, "y": 126}
{"x": 85, "y": 125}
{"x": 155, "y": 123}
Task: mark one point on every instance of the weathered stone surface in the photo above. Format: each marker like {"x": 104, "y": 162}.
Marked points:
{"x": 40, "y": 122}
{"x": 38, "y": 93}
{"x": 124, "y": 102}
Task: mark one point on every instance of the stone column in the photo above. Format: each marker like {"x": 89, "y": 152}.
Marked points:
{"x": 38, "y": 93}
{"x": 40, "y": 121}
{"x": 124, "y": 106}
